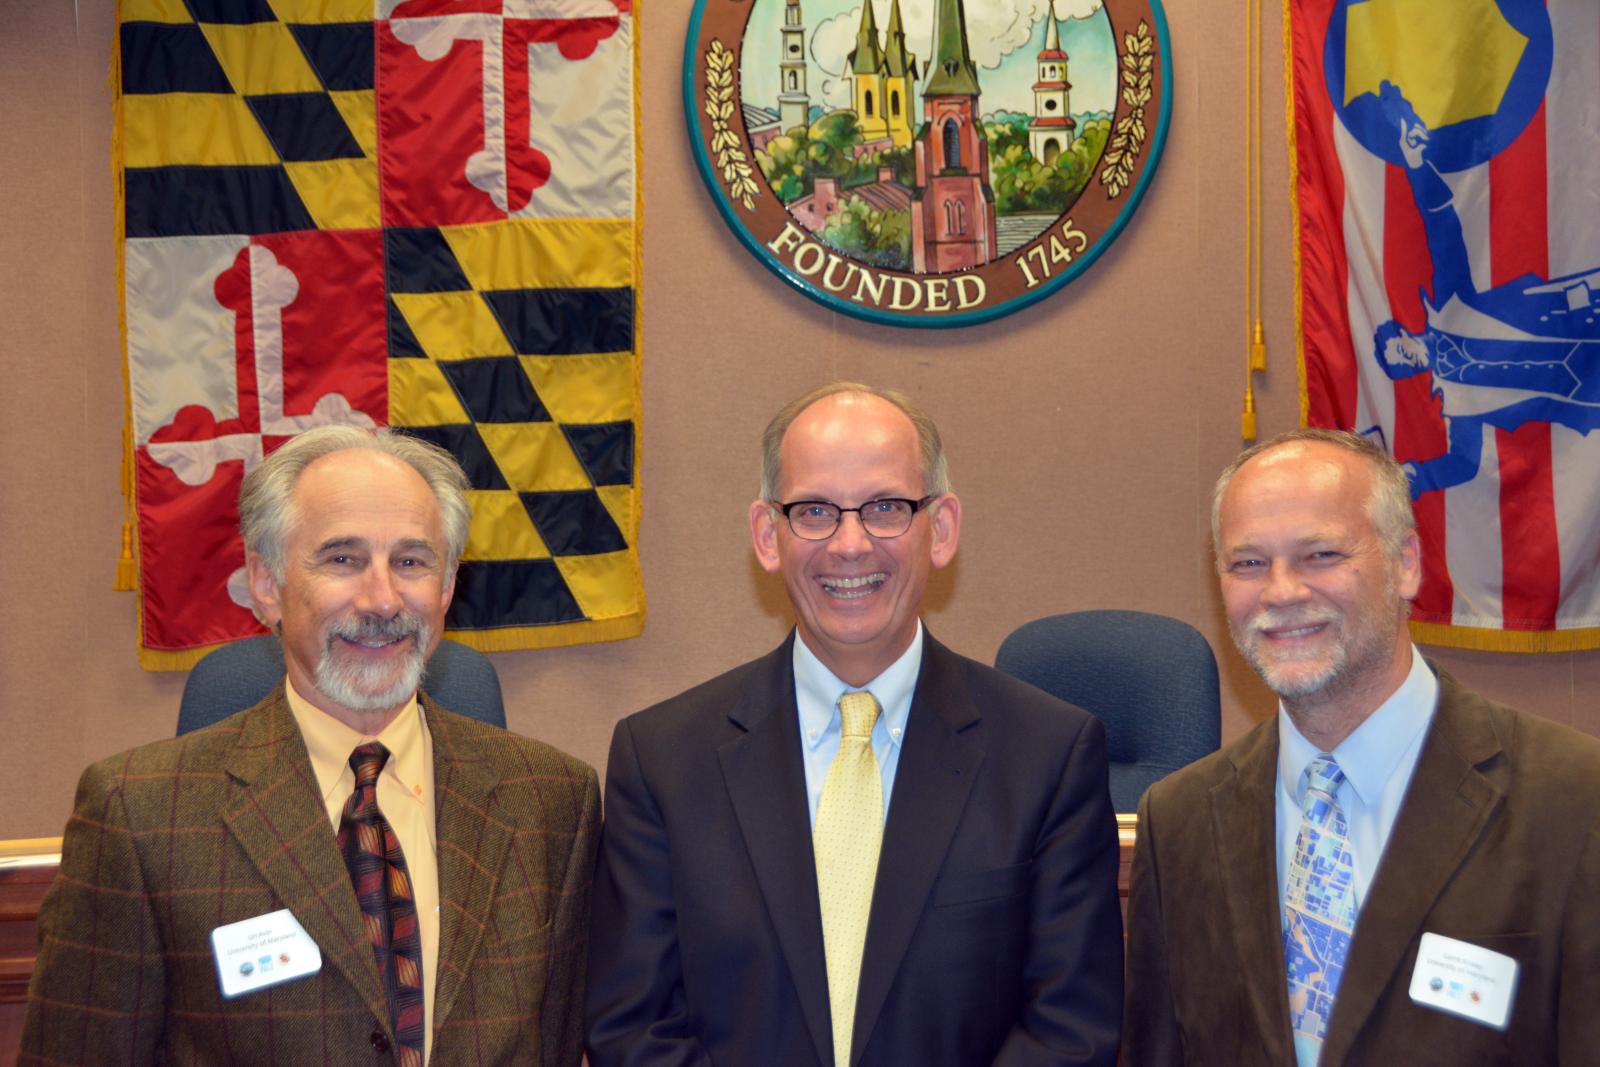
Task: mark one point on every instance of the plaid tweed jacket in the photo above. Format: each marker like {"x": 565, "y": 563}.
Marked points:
{"x": 173, "y": 839}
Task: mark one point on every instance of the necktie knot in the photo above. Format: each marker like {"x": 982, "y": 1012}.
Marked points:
{"x": 858, "y": 712}
{"x": 1324, "y": 775}
{"x": 367, "y": 761}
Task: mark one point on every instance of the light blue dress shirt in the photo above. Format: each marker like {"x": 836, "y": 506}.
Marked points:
{"x": 1378, "y": 759}
{"x": 817, "y": 691}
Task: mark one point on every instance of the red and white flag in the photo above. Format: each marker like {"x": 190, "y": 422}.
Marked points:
{"x": 1447, "y": 186}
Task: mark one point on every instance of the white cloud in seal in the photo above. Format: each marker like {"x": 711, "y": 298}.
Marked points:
{"x": 1077, "y": 9}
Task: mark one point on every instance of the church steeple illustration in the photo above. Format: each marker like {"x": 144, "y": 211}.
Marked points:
{"x": 866, "y": 78}
{"x": 952, "y": 71}
{"x": 882, "y": 78}
{"x": 794, "y": 102}
{"x": 900, "y": 77}
{"x": 1050, "y": 131}
{"x": 952, "y": 215}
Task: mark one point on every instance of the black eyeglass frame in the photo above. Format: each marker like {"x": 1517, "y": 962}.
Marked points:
{"x": 914, "y": 505}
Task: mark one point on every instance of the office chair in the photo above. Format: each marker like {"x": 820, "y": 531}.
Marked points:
{"x": 238, "y": 675}
{"x": 1150, "y": 679}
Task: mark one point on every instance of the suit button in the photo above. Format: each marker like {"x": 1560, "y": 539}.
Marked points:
{"x": 380, "y": 1043}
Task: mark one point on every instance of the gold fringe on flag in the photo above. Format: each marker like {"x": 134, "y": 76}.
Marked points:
{"x": 1483, "y": 640}
{"x": 159, "y": 659}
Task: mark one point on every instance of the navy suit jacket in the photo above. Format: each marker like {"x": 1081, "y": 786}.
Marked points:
{"x": 995, "y": 933}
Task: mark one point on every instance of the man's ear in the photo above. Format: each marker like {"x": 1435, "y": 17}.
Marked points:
{"x": 764, "y": 519}
{"x": 1408, "y": 579}
{"x": 263, "y": 590}
{"x": 946, "y": 528}
{"x": 449, "y": 592}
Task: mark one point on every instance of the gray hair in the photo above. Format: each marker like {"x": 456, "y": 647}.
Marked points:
{"x": 935, "y": 468}
{"x": 1389, "y": 506}
{"x": 266, "y": 500}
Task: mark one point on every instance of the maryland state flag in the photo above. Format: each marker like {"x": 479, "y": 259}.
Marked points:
{"x": 421, "y": 214}
{"x": 1448, "y": 257}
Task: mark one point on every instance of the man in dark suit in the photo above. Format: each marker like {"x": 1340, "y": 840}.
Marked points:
{"x": 440, "y": 866}
{"x": 1393, "y": 870}
{"x": 735, "y": 920}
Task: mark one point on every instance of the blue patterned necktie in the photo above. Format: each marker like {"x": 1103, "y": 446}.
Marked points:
{"x": 1319, "y": 910}
{"x": 388, "y": 908}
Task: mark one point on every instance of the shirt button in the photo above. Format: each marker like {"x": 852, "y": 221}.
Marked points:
{"x": 895, "y": 733}
{"x": 380, "y": 1043}
{"x": 811, "y": 734}
{"x": 417, "y": 789}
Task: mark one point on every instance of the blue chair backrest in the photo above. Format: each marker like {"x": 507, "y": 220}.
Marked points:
{"x": 1152, "y": 680}
{"x": 239, "y": 675}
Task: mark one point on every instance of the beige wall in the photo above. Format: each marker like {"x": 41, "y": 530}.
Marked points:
{"x": 1084, "y": 431}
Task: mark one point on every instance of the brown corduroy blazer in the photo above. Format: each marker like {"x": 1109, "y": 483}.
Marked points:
{"x": 1497, "y": 843}
{"x": 173, "y": 839}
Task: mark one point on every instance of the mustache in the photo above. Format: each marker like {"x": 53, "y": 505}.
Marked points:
{"x": 373, "y": 628}
{"x": 1276, "y": 619}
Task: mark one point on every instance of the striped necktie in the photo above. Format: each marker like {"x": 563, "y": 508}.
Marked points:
{"x": 388, "y": 906}
{"x": 1319, "y": 910}
{"x": 845, "y": 840}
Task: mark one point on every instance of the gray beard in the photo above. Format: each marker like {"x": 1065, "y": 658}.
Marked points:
{"x": 1292, "y": 686}
{"x": 374, "y": 686}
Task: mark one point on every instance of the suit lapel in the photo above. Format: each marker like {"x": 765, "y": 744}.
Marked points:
{"x": 1446, "y": 808}
{"x": 938, "y": 765}
{"x": 766, "y": 784}
{"x": 279, "y": 820}
{"x": 472, "y": 847}
{"x": 1244, "y": 821}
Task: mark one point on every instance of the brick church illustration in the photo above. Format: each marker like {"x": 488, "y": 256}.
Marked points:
{"x": 950, "y": 201}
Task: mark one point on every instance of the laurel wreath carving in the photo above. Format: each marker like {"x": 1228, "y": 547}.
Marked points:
{"x": 737, "y": 174}
{"x": 1127, "y": 141}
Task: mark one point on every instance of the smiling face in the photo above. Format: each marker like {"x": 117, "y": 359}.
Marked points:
{"x": 855, "y": 597}
{"x": 365, "y": 586}
{"x": 1313, "y": 600}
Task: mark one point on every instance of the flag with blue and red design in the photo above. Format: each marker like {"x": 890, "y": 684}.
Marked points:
{"x": 1448, "y": 251}
{"x": 418, "y": 213}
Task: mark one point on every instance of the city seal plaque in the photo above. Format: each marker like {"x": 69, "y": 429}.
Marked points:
{"x": 927, "y": 162}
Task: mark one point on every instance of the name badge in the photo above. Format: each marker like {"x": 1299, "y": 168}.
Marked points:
{"x": 267, "y": 950}
{"x": 1464, "y": 979}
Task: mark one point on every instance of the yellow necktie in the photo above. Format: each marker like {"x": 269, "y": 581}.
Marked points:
{"x": 845, "y": 841}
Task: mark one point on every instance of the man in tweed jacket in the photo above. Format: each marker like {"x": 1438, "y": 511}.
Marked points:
{"x": 352, "y": 541}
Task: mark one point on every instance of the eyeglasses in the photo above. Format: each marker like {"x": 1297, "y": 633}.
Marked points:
{"x": 816, "y": 520}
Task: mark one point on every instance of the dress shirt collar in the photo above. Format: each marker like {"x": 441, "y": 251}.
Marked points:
{"x": 330, "y": 742}
{"x": 818, "y": 691}
{"x": 1372, "y": 753}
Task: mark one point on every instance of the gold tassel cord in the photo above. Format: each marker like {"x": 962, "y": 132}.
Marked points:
{"x": 125, "y": 579}
{"x": 1258, "y": 340}
{"x": 1247, "y": 420}
{"x": 1256, "y": 345}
